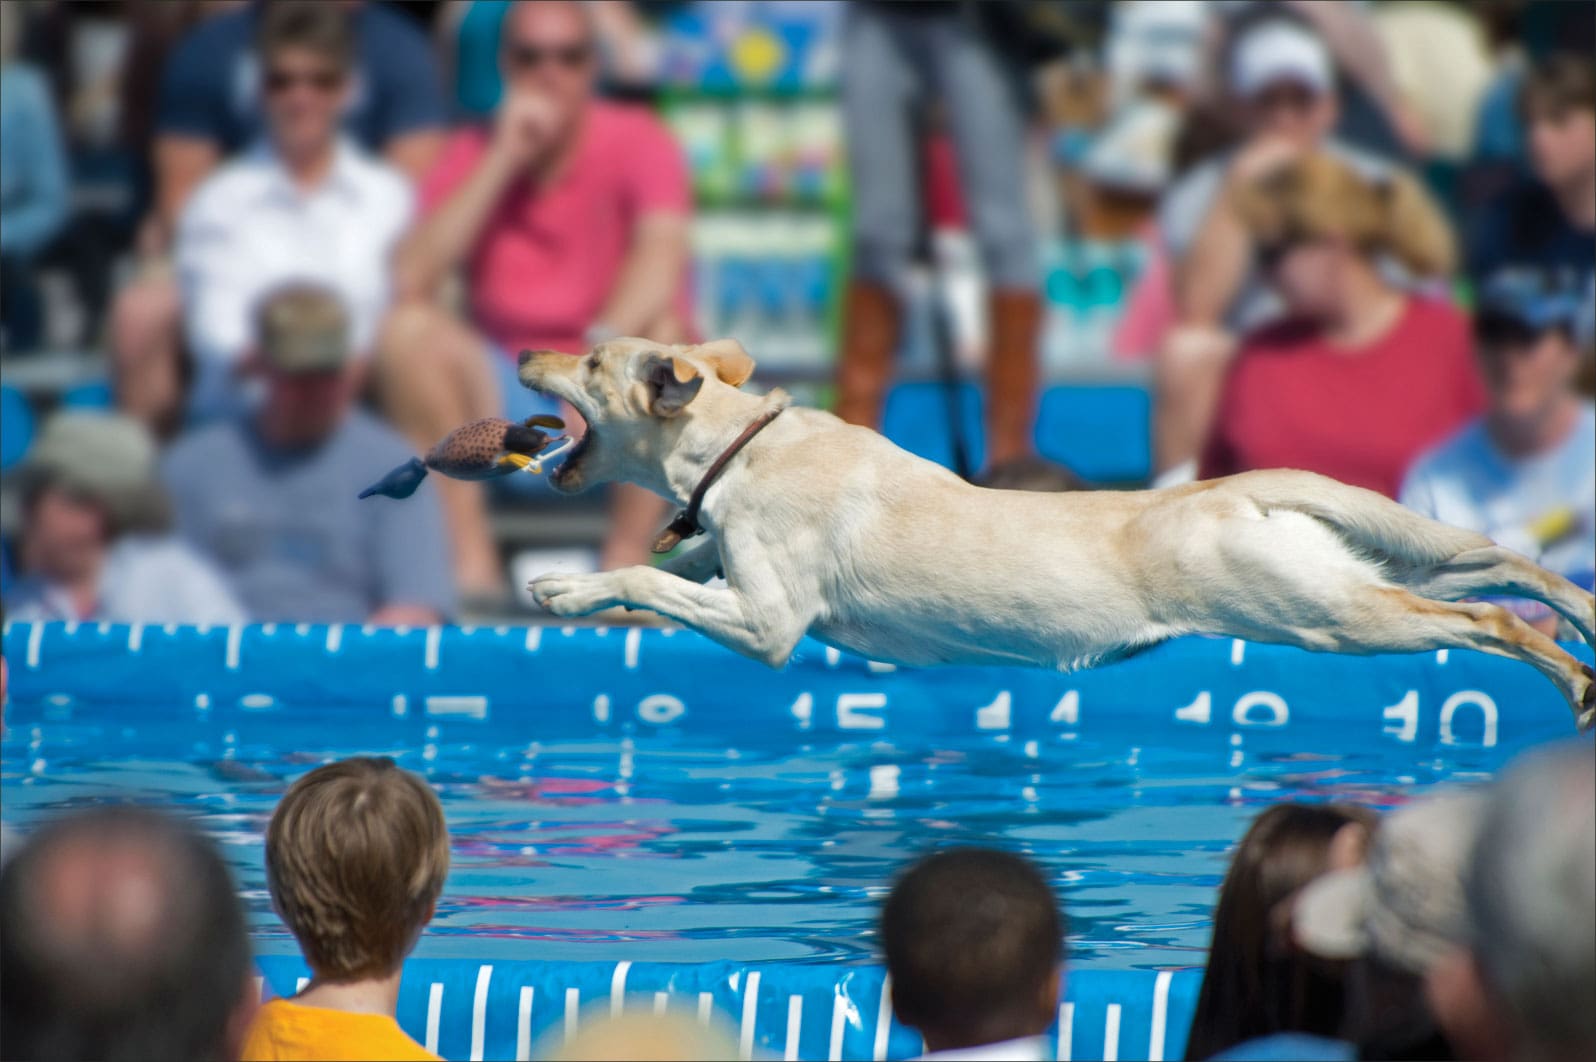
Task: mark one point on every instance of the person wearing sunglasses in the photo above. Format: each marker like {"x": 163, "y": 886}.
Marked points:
{"x": 569, "y": 217}
{"x": 1524, "y": 473}
{"x": 213, "y": 104}
{"x": 305, "y": 203}
{"x": 1362, "y": 373}
{"x": 1283, "y": 89}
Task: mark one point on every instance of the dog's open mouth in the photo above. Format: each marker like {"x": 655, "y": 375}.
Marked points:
{"x": 570, "y": 459}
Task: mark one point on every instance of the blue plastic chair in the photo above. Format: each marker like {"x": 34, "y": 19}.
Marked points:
{"x": 1101, "y": 432}
{"x": 95, "y": 394}
{"x": 916, "y": 418}
{"x": 16, "y": 426}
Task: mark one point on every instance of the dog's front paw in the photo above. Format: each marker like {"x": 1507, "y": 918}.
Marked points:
{"x": 572, "y": 595}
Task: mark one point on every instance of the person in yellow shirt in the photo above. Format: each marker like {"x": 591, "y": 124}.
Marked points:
{"x": 356, "y": 855}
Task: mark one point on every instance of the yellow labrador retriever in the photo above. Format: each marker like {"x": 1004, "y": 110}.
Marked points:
{"x": 827, "y": 529}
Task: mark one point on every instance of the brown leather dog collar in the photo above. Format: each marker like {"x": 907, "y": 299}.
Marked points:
{"x": 685, "y": 525}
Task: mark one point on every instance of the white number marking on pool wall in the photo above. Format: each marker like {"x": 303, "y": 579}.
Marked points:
{"x": 851, "y": 708}
{"x": 1276, "y": 712}
{"x": 997, "y": 715}
{"x": 1406, "y": 714}
{"x": 1477, "y": 699}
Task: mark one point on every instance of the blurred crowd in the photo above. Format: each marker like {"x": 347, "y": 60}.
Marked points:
{"x": 308, "y": 239}
{"x": 1461, "y": 925}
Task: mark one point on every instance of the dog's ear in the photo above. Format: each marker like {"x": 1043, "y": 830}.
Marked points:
{"x": 672, "y": 383}
{"x": 731, "y": 361}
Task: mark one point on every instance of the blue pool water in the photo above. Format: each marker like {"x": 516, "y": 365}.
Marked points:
{"x": 642, "y": 798}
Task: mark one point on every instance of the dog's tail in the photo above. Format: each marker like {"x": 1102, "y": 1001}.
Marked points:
{"x": 1370, "y": 522}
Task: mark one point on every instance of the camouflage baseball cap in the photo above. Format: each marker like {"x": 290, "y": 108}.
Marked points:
{"x": 303, "y": 328}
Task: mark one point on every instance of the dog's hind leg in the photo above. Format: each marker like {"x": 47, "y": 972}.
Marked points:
{"x": 1381, "y": 619}
{"x": 1498, "y": 570}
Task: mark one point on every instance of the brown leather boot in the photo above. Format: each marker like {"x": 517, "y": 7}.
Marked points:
{"x": 870, "y": 324}
{"x": 1013, "y": 366}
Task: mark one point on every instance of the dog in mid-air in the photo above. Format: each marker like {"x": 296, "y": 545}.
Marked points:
{"x": 824, "y": 528}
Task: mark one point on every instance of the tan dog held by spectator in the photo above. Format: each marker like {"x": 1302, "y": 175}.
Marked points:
{"x": 828, "y": 529}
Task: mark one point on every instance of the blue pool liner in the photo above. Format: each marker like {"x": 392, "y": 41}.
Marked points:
{"x": 557, "y": 682}
{"x": 468, "y": 1010}
{"x": 551, "y": 682}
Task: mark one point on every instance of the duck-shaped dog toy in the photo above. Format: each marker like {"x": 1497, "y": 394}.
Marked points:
{"x": 483, "y": 449}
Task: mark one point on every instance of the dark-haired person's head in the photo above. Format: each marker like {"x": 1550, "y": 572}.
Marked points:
{"x": 306, "y": 52}
{"x": 1256, "y": 983}
{"x": 121, "y": 937}
{"x": 1558, "y": 103}
{"x": 1530, "y": 332}
{"x": 974, "y": 942}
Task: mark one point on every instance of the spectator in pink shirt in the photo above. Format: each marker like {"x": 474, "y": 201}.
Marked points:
{"x": 569, "y": 219}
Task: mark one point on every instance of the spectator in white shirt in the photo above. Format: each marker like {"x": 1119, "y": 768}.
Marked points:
{"x": 304, "y": 205}
{"x": 94, "y": 542}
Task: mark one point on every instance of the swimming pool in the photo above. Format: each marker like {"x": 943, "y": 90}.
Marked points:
{"x": 642, "y": 811}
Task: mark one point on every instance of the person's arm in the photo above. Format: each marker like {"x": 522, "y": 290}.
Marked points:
{"x": 1209, "y": 277}
{"x": 1211, "y": 273}
{"x": 181, "y": 164}
{"x": 448, "y": 232}
{"x": 413, "y": 154}
{"x": 1348, "y": 31}
{"x": 43, "y": 209}
{"x": 650, "y": 277}
{"x": 660, "y": 197}
{"x": 191, "y": 118}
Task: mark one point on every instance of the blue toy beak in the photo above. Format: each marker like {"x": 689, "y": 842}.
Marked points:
{"x": 401, "y": 482}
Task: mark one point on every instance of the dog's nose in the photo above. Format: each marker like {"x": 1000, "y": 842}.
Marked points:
{"x": 526, "y": 356}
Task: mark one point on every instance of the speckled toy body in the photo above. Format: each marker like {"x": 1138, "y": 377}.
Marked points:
{"x": 475, "y": 450}
{"x": 483, "y": 449}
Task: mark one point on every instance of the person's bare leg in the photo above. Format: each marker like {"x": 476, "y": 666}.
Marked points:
{"x": 146, "y": 326}
{"x": 636, "y": 514}
{"x": 433, "y": 376}
{"x": 1188, "y": 376}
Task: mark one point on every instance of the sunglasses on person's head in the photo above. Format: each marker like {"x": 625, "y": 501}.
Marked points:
{"x": 533, "y": 56}
{"x": 326, "y": 81}
{"x": 1272, "y": 252}
{"x": 1499, "y": 330}
{"x": 1285, "y": 94}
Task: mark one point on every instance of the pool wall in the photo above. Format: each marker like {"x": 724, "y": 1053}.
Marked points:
{"x": 594, "y": 681}
{"x": 445, "y": 683}
{"x": 469, "y": 1010}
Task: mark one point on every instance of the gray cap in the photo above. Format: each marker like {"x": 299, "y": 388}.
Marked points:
{"x": 109, "y": 457}
{"x": 302, "y": 327}
{"x": 1404, "y": 904}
